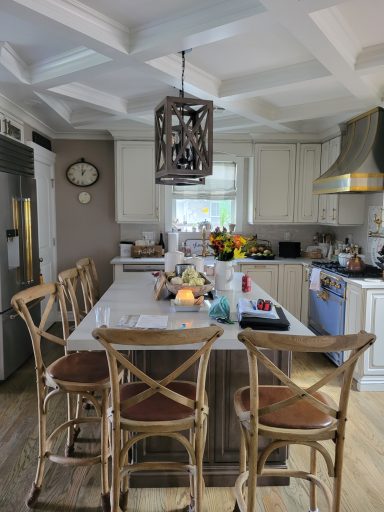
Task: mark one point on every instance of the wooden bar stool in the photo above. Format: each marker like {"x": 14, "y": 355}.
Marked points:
{"x": 291, "y": 414}
{"x": 79, "y": 373}
{"x": 89, "y": 282}
{"x": 167, "y": 407}
{"x": 70, "y": 280}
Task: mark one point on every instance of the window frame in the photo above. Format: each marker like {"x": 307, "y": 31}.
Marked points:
{"x": 239, "y": 198}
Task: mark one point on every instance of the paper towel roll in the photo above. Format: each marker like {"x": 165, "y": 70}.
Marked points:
{"x": 171, "y": 259}
{"x": 173, "y": 241}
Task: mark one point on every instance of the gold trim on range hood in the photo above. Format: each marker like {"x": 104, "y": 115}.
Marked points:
{"x": 360, "y": 165}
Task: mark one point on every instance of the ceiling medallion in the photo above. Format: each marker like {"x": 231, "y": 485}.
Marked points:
{"x": 183, "y": 139}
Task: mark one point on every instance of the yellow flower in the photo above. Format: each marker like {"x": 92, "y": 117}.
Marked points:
{"x": 238, "y": 253}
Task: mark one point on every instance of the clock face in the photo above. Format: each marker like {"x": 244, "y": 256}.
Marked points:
{"x": 84, "y": 197}
{"x": 82, "y": 174}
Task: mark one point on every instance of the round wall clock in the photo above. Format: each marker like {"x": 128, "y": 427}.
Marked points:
{"x": 84, "y": 197}
{"x": 82, "y": 174}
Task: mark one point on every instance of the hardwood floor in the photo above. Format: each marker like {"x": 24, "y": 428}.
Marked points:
{"x": 68, "y": 489}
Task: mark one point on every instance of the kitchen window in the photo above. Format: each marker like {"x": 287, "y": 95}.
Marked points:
{"x": 218, "y": 202}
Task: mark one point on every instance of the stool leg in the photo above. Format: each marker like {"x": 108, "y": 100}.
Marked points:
{"x": 252, "y": 469}
{"x": 70, "y": 448}
{"x": 199, "y": 482}
{"x": 116, "y": 440}
{"x": 42, "y": 418}
{"x": 312, "y": 485}
{"x": 104, "y": 452}
{"x": 125, "y": 479}
{"x": 339, "y": 453}
{"x": 192, "y": 475}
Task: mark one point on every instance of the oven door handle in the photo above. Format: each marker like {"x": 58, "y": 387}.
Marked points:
{"x": 323, "y": 295}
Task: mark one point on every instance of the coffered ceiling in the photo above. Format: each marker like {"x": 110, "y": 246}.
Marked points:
{"x": 271, "y": 66}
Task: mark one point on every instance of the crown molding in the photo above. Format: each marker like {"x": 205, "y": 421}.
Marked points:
{"x": 25, "y": 117}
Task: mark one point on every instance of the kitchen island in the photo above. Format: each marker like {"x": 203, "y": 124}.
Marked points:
{"x": 228, "y": 370}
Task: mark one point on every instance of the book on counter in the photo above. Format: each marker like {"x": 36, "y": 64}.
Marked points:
{"x": 249, "y": 316}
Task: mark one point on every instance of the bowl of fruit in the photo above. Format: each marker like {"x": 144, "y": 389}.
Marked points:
{"x": 259, "y": 250}
{"x": 190, "y": 279}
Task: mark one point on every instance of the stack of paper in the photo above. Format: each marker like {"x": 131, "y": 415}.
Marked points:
{"x": 143, "y": 321}
{"x": 248, "y": 308}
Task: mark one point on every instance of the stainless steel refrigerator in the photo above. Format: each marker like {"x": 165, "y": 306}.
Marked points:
{"x": 19, "y": 258}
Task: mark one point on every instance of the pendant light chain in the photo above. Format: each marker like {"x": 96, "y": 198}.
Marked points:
{"x": 182, "y": 73}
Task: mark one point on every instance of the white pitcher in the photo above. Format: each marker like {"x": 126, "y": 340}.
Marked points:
{"x": 223, "y": 275}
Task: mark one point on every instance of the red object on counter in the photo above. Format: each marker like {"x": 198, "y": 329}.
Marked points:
{"x": 246, "y": 283}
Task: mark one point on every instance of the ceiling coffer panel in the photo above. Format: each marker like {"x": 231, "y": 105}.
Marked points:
{"x": 360, "y": 166}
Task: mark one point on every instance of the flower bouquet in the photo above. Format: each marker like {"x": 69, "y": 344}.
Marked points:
{"x": 225, "y": 245}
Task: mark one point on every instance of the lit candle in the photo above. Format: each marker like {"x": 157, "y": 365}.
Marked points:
{"x": 185, "y": 298}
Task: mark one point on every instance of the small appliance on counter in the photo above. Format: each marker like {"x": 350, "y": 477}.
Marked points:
{"x": 289, "y": 249}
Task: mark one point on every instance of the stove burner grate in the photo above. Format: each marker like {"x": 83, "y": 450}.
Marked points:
{"x": 333, "y": 266}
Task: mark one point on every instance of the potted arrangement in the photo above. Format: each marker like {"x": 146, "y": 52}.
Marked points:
{"x": 226, "y": 247}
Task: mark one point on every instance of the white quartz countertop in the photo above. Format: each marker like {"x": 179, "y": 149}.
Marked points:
{"x": 119, "y": 260}
{"x": 133, "y": 295}
{"x": 371, "y": 283}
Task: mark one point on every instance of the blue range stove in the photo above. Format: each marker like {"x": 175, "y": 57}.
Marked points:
{"x": 326, "y": 313}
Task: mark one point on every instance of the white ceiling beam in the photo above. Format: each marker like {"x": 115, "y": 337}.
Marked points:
{"x": 308, "y": 30}
{"x": 14, "y": 63}
{"x": 66, "y": 64}
{"x": 59, "y": 106}
{"x": 83, "y": 19}
{"x": 197, "y": 80}
{"x": 90, "y": 96}
{"x": 319, "y": 109}
{"x": 273, "y": 80}
{"x": 310, "y": 6}
{"x": 256, "y": 110}
{"x": 197, "y": 27}
{"x": 370, "y": 58}
{"x": 199, "y": 83}
{"x": 228, "y": 125}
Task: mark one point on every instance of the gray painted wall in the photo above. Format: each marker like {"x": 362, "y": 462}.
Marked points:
{"x": 86, "y": 230}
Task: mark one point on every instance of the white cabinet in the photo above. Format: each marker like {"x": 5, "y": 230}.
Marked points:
{"x": 338, "y": 209}
{"x": 11, "y": 127}
{"x": 364, "y": 310}
{"x": 271, "y": 187}
{"x": 308, "y": 169}
{"x": 289, "y": 288}
{"x": 280, "y": 186}
{"x": 266, "y": 276}
{"x": 137, "y": 195}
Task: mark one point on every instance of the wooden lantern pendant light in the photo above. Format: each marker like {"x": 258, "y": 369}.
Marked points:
{"x": 183, "y": 139}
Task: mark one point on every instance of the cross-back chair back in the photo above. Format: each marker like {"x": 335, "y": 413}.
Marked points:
{"x": 294, "y": 414}
{"x": 148, "y": 407}
{"x": 89, "y": 282}
{"x": 70, "y": 281}
{"x": 73, "y": 374}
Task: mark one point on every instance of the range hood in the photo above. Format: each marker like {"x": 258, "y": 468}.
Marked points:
{"x": 360, "y": 165}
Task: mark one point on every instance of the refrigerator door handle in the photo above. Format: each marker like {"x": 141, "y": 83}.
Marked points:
{"x": 27, "y": 238}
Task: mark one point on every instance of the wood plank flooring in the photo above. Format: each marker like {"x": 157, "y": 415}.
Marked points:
{"x": 66, "y": 489}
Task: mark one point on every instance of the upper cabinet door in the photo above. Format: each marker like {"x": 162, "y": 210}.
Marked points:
{"x": 137, "y": 195}
{"x": 272, "y": 183}
{"x": 306, "y": 203}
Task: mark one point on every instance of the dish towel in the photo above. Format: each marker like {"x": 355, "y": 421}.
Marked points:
{"x": 315, "y": 280}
